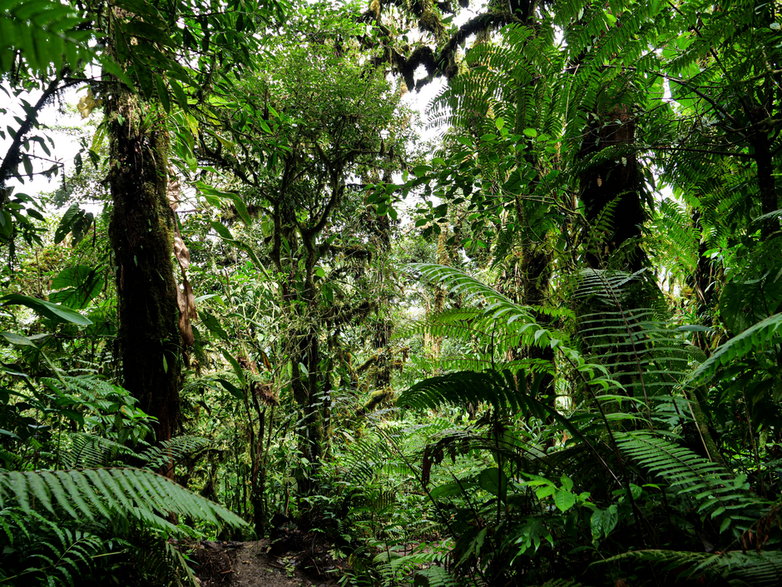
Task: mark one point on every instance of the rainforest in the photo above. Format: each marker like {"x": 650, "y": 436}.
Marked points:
{"x": 387, "y": 293}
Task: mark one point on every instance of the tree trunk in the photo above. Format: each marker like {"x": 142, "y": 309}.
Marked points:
{"x": 301, "y": 306}
{"x": 141, "y": 238}
{"x": 611, "y": 191}
{"x": 761, "y": 147}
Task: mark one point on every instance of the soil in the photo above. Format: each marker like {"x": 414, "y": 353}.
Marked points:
{"x": 250, "y": 564}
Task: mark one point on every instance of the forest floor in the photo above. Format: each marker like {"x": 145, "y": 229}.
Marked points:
{"x": 252, "y": 564}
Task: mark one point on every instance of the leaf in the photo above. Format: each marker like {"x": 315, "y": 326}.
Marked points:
{"x": 53, "y": 311}
{"x": 66, "y": 223}
{"x": 603, "y": 522}
{"x": 489, "y": 479}
{"x": 235, "y": 366}
{"x": 231, "y": 388}
{"x": 17, "y": 339}
{"x": 79, "y": 285}
{"x": 755, "y": 338}
{"x": 213, "y": 324}
{"x": 111, "y": 494}
{"x": 179, "y": 93}
{"x": 564, "y": 499}
{"x": 222, "y": 230}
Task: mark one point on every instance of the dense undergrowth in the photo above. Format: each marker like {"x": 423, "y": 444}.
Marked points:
{"x": 541, "y": 349}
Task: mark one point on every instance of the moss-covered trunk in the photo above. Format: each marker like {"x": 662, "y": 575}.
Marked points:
{"x": 141, "y": 238}
{"x": 611, "y": 190}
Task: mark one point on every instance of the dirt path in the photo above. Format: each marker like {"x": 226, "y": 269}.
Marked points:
{"x": 248, "y": 564}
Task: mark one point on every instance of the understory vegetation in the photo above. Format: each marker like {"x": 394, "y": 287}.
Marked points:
{"x": 531, "y": 336}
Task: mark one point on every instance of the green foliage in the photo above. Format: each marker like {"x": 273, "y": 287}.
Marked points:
{"x": 104, "y": 494}
{"x": 519, "y": 323}
{"x": 465, "y": 387}
{"x": 716, "y": 493}
{"x": 644, "y": 362}
{"x": 173, "y": 450}
{"x": 754, "y": 339}
{"x": 559, "y": 425}
{"x": 736, "y": 567}
{"x": 42, "y": 35}
{"x": 55, "y": 555}
{"x": 54, "y": 312}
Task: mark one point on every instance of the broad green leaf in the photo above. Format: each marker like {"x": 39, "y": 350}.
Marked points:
{"x": 489, "y": 479}
{"x": 237, "y": 368}
{"x": 231, "y": 388}
{"x": 17, "y": 339}
{"x": 603, "y": 522}
{"x": 213, "y": 324}
{"x": 564, "y": 500}
{"x": 49, "y": 310}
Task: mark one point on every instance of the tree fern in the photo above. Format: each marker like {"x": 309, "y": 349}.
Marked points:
{"x": 754, "y": 339}
{"x": 174, "y": 450}
{"x": 756, "y": 568}
{"x": 55, "y": 555}
{"x": 716, "y": 493}
{"x": 103, "y": 494}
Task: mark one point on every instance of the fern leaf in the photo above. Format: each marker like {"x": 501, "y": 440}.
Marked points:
{"x": 59, "y": 492}
{"x": 175, "y": 450}
{"x": 90, "y": 451}
{"x": 755, "y": 338}
{"x": 716, "y": 492}
{"x": 758, "y": 568}
{"x": 110, "y": 493}
{"x": 463, "y": 388}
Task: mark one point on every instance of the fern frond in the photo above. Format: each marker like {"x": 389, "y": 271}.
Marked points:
{"x": 364, "y": 459}
{"x": 108, "y": 493}
{"x": 497, "y": 308}
{"x": 716, "y": 493}
{"x": 500, "y": 390}
{"x": 736, "y": 567}
{"x": 45, "y": 552}
{"x": 90, "y": 451}
{"x": 174, "y": 450}
{"x": 754, "y": 339}
{"x": 66, "y": 558}
{"x": 436, "y": 576}
{"x": 395, "y": 567}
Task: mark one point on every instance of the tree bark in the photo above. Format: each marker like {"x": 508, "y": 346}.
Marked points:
{"x": 611, "y": 190}
{"x": 761, "y": 147}
{"x": 141, "y": 237}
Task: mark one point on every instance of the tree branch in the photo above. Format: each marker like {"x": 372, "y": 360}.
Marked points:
{"x": 13, "y": 155}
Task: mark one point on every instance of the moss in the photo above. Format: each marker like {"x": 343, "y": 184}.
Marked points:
{"x": 141, "y": 234}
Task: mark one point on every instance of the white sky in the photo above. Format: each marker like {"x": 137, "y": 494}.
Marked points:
{"x": 60, "y": 114}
